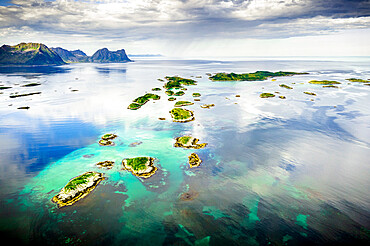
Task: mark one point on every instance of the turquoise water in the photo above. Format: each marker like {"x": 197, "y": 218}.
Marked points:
{"x": 285, "y": 172}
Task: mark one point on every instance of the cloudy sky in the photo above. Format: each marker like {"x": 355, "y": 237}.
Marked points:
{"x": 190, "y": 28}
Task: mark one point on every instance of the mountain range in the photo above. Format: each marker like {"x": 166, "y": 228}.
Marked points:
{"x": 37, "y": 54}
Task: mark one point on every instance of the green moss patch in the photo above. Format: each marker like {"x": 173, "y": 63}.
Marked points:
{"x": 82, "y": 179}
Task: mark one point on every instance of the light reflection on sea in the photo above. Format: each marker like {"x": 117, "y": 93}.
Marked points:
{"x": 289, "y": 171}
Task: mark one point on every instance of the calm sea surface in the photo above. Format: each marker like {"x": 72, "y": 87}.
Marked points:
{"x": 275, "y": 171}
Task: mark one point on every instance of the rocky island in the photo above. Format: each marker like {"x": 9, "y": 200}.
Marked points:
{"x": 194, "y": 160}
{"x": 77, "y": 188}
{"x": 189, "y": 142}
{"x": 256, "y": 76}
{"x": 140, "y": 166}
{"x": 182, "y": 115}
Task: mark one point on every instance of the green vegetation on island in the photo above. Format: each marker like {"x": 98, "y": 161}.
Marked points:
{"x": 286, "y": 86}
{"x": 183, "y": 103}
{"x": 156, "y": 89}
{"x": 179, "y": 93}
{"x": 106, "y": 139}
{"x": 323, "y": 82}
{"x": 266, "y": 95}
{"x": 177, "y": 82}
{"x": 140, "y": 166}
{"x": 189, "y": 142}
{"x": 109, "y": 136}
{"x": 171, "y": 98}
{"x": 77, "y": 188}
{"x": 196, "y": 94}
{"x": 256, "y": 76}
{"x": 140, "y": 101}
{"x": 181, "y": 115}
{"x": 169, "y": 92}
{"x": 282, "y": 97}
{"x": 309, "y": 93}
{"x": 194, "y": 160}
{"x": 134, "y": 106}
{"x": 330, "y": 86}
{"x": 358, "y": 80}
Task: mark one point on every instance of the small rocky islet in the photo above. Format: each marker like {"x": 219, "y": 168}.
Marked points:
{"x": 77, "y": 188}
{"x": 188, "y": 142}
{"x": 182, "y": 115}
{"x": 105, "y": 164}
{"x": 106, "y": 139}
{"x": 140, "y": 166}
{"x": 194, "y": 160}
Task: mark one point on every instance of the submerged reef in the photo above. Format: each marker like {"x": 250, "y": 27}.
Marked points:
{"x": 140, "y": 166}
{"x": 77, "y": 188}
{"x": 194, "y": 160}
{"x": 189, "y": 142}
{"x": 182, "y": 115}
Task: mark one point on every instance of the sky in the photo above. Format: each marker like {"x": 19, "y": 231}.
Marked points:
{"x": 192, "y": 28}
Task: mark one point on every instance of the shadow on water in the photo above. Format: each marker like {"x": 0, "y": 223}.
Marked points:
{"x": 108, "y": 70}
{"x": 33, "y": 71}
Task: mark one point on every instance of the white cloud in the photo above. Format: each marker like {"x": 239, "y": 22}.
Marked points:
{"x": 177, "y": 22}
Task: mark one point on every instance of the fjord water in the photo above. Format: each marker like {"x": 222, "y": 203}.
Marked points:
{"x": 282, "y": 171}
